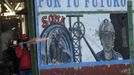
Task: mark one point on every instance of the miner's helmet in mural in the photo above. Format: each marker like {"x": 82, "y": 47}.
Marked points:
{"x": 106, "y": 27}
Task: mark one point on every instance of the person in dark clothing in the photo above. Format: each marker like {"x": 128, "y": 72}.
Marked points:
{"x": 11, "y": 59}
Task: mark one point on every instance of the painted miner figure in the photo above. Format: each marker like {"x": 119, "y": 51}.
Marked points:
{"x": 107, "y": 36}
{"x": 57, "y": 49}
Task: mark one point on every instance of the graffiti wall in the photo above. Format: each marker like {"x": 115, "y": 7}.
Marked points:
{"x": 81, "y": 33}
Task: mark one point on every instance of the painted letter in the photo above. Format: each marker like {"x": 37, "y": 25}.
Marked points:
{"x": 57, "y": 3}
{"x": 57, "y": 17}
{"x": 50, "y": 18}
{"x": 116, "y": 3}
{"x": 76, "y": 3}
{"x": 68, "y": 4}
{"x": 86, "y": 3}
{"x": 44, "y": 21}
{"x": 49, "y": 3}
{"x": 109, "y": 3}
{"x": 62, "y": 21}
{"x": 94, "y": 2}
{"x": 102, "y": 3}
{"x": 123, "y": 3}
{"x": 40, "y": 3}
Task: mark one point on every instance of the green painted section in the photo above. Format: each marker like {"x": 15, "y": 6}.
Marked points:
{"x": 130, "y": 28}
{"x": 31, "y": 32}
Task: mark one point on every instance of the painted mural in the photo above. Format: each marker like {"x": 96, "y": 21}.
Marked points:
{"x": 81, "y": 34}
{"x": 72, "y": 38}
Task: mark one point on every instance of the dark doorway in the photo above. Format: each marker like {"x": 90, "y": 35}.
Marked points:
{"x": 120, "y": 22}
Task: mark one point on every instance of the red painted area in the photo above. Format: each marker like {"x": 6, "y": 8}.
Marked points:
{"x": 120, "y": 69}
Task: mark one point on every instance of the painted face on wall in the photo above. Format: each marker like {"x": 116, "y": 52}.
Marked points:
{"x": 107, "y": 35}
{"x": 107, "y": 40}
